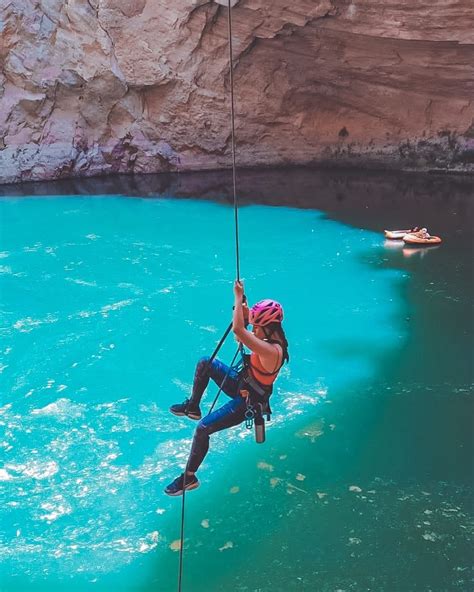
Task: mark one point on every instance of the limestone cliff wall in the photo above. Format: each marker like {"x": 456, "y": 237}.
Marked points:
{"x": 101, "y": 86}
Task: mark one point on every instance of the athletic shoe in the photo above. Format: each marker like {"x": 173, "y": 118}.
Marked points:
{"x": 187, "y": 408}
{"x": 176, "y": 486}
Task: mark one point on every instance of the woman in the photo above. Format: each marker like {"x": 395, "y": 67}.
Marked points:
{"x": 269, "y": 351}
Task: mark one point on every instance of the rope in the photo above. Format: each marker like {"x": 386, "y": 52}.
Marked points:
{"x": 180, "y": 574}
{"x": 237, "y": 258}
{"x": 181, "y": 546}
{"x": 224, "y": 381}
{"x": 232, "y": 125}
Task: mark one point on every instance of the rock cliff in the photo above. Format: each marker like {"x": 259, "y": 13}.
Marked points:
{"x": 101, "y": 86}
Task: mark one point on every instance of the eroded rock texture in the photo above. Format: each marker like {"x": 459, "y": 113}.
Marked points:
{"x": 101, "y": 86}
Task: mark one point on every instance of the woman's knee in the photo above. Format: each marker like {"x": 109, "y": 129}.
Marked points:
{"x": 202, "y": 368}
{"x": 202, "y": 432}
{"x": 202, "y": 362}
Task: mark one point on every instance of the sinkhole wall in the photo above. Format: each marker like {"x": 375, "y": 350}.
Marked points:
{"x": 93, "y": 87}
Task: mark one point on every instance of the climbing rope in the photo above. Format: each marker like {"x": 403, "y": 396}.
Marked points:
{"x": 232, "y": 127}
{"x": 181, "y": 546}
{"x": 237, "y": 259}
{"x": 231, "y": 367}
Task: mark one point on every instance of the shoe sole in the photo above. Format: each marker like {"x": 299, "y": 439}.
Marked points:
{"x": 188, "y": 488}
{"x": 182, "y": 414}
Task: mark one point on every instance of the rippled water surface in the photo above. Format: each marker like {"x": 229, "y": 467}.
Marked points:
{"x": 110, "y": 292}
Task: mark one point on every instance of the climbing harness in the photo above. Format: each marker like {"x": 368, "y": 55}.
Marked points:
{"x": 257, "y": 396}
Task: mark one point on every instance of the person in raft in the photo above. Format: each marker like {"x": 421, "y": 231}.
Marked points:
{"x": 255, "y": 377}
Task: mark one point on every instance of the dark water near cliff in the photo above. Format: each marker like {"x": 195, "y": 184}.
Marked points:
{"x": 366, "y": 479}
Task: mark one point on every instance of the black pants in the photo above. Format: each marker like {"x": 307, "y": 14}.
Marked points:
{"x": 230, "y": 414}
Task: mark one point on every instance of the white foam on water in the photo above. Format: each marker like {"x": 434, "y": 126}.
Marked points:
{"x": 209, "y": 328}
{"x": 27, "y": 324}
{"x": 5, "y": 475}
{"x": 80, "y": 282}
{"x": 115, "y": 306}
{"x": 84, "y": 314}
{"x": 104, "y": 310}
{"x": 5, "y": 408}
{"x": 32, "y": 249}
{"x": 35, "y": 469}
{"x": 293, "y": 404}
{"x": 57, "y": 508}
{"x": 62, "y": 408}
{"x": 183, "y": 386}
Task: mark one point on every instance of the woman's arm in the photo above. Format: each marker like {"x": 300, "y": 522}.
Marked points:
{"x": 238, "y": 322}
{"x": 268, "y": 353}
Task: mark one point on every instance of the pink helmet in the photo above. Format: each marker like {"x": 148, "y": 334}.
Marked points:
{"x": 266, "y": 312}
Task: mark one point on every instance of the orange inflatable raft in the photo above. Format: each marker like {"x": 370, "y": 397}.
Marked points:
{"x": 421, "y": 239}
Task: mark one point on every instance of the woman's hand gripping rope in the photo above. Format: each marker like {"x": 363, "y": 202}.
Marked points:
{"x": 241, "y": 310}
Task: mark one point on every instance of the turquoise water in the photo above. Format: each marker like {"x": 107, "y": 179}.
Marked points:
{"x": 365, "y": 481}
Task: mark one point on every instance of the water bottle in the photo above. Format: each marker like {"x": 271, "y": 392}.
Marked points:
{"x": 259, "y": 423}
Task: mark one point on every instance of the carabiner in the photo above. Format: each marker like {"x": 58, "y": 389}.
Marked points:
{"x": 249, "y": 415}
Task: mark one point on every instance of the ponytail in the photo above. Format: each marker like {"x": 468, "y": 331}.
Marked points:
{"x": 273, "y": 330}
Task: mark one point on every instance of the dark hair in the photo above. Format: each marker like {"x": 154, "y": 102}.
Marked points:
{"x": 276, "y": 329}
